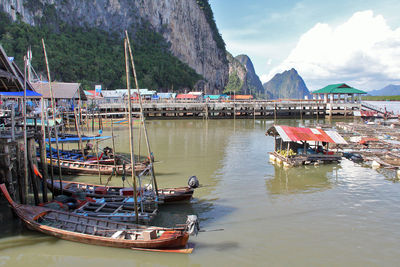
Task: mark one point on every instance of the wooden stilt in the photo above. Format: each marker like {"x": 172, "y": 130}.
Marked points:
{"x": 33, "y": 180}
{"x": 51, "y": 151}
{"x": 98, "y": 160}
{"x": 25, "y": 135}
{"x": 42, "y": 146}
{"x": 79, "y": 134}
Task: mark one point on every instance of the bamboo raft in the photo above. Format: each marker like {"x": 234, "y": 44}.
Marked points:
{"x": 95, "y": 231}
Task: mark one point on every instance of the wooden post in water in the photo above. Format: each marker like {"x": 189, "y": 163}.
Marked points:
{"x": 42, "y": 145}
{"x": 31, "y": 145}
{"x": 25, "y": 184}
{"x": 139, "y": 139}
{"x": 53, "y": 104}
{"x": 87, "y": 117}
{"x": 92, "y": 117}
{"x": 19, "y": 170}
{"x": 8, "y": 170}
{"x": 142, "y": 115}
{"x": 79, "y": 134}
{"x": 113, "y": 145}
{"x": 98, "y": 160}
{"x": 301, "y": 111}
{"x": 51, "y": 151}
{"x": 12, "y": 124}
{"x": 131, "y": 131}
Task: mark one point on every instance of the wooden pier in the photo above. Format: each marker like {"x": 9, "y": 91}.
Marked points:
{"x": 230, "y": 110}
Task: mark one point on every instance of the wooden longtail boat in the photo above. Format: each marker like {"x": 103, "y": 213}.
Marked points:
{"x": 73, "y": 227}
{"x": 90, "y": 168}
{"x": 123, "y": 211}
{"x": 165, "y": 195}
{"x": 73, "y": 163}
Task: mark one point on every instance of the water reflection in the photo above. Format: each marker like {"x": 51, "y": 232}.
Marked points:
{"x": 9, "y": 224}
{"x": 301, "y": 180}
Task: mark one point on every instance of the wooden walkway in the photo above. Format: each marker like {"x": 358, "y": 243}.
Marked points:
{"x": 228, "y": 110}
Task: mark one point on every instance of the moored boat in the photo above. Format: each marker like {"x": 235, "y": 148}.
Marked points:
{"x": 92, "y": 168}
{"x": 166, "y": 195}
{"x": 95, "y": 231}
{"x": 123, "y": 211}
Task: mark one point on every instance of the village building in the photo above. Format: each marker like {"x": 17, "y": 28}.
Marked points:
{"x": 65, "y": 95}
{"x": 338, "y": 93}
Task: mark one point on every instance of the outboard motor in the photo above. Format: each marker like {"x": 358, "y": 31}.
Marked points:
{"x": 193, "y": 182}
{"x": 192, "y": 225}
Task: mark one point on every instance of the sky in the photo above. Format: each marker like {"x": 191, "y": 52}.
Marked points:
{"x": 356, "y": 42}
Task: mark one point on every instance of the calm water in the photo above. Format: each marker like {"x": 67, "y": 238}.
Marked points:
{"x": 393, "y": 106}
{"x": 332, "y": 215}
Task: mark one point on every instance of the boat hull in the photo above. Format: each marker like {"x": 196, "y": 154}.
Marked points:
{"x": 87, "y": 229}
{"x": 166, "y": 195}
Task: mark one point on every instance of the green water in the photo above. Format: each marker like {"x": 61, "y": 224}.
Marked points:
{"x": 328, "y": 215}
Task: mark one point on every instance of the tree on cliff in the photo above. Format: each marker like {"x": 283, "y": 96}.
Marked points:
{"x": 234, "y": 83}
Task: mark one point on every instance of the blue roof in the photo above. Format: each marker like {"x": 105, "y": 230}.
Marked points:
{"x": 29, "y": 93}
{"x": 76, "y": 139}
{"x": 165, "y": 95}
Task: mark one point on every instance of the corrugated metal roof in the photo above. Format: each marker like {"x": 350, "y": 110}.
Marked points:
{"x": 294, "y": 134}
{"x": 242, "y": 97}
{"x": 143, "y": 92}
{"x": 340, "y": 88}
{"x": 166, "y": 95}
{"x": 212, "y": 97}
{"x": 111, "y": 94}
{"x": 186, "y": 96}
{"x": 11, "y": 78}
{"x": 60, "y": 90}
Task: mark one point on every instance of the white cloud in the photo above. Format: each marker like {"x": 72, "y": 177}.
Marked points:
{"x": 363, "y": 52}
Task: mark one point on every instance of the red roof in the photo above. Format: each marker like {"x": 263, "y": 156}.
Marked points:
{"x": 242, "y": 97}
{"x": 94, "y": 93}
{"x": 366, "y": 140}
{"x": 186, "y": 96}
{"x": 294, "y": 134}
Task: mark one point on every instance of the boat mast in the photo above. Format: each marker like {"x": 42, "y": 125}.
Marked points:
{"x": 25, "y": 138}
{"x": 54, "y": 117}
{"x": 131, "y": 131}
{"x": 142, "y": 115}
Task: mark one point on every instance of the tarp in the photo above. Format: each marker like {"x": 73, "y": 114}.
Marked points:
{"x": 294, "y": 134}
{"x": 76, "y": 139}
{"x": 20, "y": 94}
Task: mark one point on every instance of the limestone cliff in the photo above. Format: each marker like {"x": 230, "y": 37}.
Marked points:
{"x": 252, "y": 84}
{"x": 288, "y": 84}
{"x": 242, "y": 67}
{"x": 182, "y": 23}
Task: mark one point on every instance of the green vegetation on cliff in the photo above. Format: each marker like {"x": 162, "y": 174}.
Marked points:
{"x": 205, "y": 6}
{"x": 92, "y": 56}
{"x": 234, "y": 83}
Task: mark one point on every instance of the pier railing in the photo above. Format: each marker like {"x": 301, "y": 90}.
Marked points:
{"x": 173, "y": 108}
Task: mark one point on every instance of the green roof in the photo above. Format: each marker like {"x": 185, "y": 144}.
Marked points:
{"x": 340, "y": 88}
